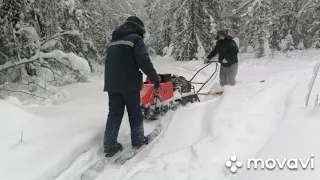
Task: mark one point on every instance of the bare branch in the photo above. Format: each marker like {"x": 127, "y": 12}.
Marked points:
{"x": 43, "y": 65}
{"x": 59, "y": 34}
{"x": 5, "y": 56}
{"x": 10, "y": 64}
{"x": 24, "y": 92}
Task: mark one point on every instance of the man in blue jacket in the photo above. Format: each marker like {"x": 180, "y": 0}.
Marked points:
{"x": 227, "y": 50}
{"x": 126, "y": 55}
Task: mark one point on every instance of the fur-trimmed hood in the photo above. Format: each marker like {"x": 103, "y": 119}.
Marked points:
{"x": 224, "y": 33}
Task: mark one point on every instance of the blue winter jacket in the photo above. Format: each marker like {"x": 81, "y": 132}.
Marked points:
{"x": 126, "y": 55}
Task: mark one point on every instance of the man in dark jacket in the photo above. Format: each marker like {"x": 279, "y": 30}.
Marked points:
{"x": 126, "y": 55}
{"x": 227, "y": 50}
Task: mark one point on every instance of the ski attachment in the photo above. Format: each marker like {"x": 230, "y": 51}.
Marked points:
{"x": 123, "y": 158}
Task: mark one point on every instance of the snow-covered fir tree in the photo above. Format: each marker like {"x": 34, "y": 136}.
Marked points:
{"x": 40, "y": 36}
{"x": 313, "y": 26}
{"x": 190, "y": 25}
{"x": 287, "y": 44}
{"x": 158, "y": 24}
{"x": 256, "y": 22}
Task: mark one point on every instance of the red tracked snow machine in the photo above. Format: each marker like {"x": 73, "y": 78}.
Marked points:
{"x": 175, "y": 90}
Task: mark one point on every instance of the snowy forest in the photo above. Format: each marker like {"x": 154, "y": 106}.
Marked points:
{"x": 46, "y": 44}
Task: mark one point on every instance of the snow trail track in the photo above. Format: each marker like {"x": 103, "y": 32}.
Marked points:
{"x": 200, "y": 137}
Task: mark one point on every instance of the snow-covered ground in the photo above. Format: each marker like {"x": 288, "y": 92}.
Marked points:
{"x": 252, "y": 119}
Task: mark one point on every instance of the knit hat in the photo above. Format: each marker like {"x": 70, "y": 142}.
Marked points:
{"x": 136, "y": 21}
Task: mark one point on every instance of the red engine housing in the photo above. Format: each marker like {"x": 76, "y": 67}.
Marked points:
{"x": 148, "y": 95}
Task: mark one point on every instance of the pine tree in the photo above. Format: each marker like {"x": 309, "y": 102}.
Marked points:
{"x": 160, "y": 14}
{"x": 229, "y": 20}
{"x": 256, "y": 24}
{"x": 191, "y": 28}
{"x": 312, "y": 32}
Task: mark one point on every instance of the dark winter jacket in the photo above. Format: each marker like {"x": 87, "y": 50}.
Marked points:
{"x": 126, "y": 55}
{"x": 226, "y": 49}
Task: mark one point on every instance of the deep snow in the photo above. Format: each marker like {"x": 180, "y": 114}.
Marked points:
{"x": 252, "y": 119}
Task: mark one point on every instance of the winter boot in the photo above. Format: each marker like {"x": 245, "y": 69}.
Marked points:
{"x": 217, "y": 88}
{"x": 145, "y": 142}
{"x": 113, "y": 150}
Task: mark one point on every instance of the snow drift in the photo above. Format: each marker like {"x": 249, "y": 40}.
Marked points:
{"x": 40, "y": 148}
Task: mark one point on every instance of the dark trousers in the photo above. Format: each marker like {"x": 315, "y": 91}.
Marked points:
{"x": 117, "y": 103}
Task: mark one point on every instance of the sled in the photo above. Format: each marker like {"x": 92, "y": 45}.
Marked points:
{"x": 211, "y": 94}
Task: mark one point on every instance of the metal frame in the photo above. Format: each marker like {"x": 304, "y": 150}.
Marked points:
{"x": 204, "y": 83}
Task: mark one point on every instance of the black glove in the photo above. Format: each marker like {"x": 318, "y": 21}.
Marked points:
{"x": 156, "y": 86}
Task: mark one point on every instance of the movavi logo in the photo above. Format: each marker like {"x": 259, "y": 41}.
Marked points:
{"x": 272, "y": 163}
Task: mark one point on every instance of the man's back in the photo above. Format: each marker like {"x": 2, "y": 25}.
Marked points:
{"x": 126, "y": 54}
